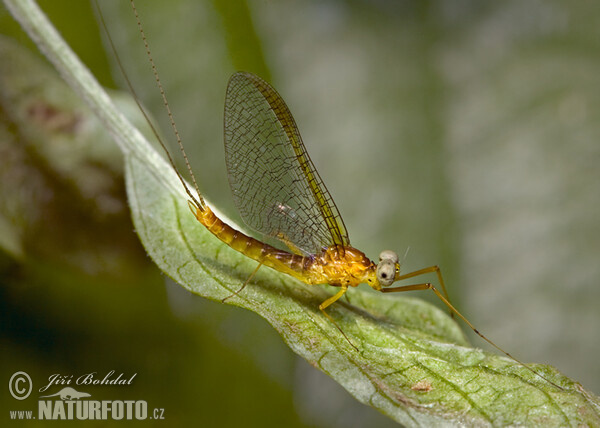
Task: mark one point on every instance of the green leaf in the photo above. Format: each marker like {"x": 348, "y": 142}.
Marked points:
{"x": 412, "y": 362}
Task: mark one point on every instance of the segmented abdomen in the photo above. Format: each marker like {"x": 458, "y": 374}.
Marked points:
{"x": 291, "y": 264}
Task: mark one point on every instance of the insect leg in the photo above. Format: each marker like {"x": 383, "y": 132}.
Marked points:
{"x": 243, "y": 286}
{"x": 333, "y": 298}
{"x": 429, "y": 286}
{"x": 424, "y": 271}
{"x": 327, "y": 303}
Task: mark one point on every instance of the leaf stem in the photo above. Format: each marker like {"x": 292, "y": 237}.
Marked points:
{"x": 81, "y": 80}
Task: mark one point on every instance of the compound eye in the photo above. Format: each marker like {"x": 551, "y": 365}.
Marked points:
{"x": 386, "y": 272}
{"x": 389, "y": 255}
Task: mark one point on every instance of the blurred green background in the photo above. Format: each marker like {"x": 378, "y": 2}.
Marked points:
{"x": 468, "y": 131}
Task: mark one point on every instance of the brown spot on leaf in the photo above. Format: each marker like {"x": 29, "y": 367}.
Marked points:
{"x": 53, "y": 118}
{"x": 422, "y": 386}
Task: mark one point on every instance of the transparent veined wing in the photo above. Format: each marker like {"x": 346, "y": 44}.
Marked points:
{"x": 275, "y": 185}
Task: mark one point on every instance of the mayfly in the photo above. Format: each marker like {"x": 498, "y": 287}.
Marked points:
{"x": 279, "y": 193}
